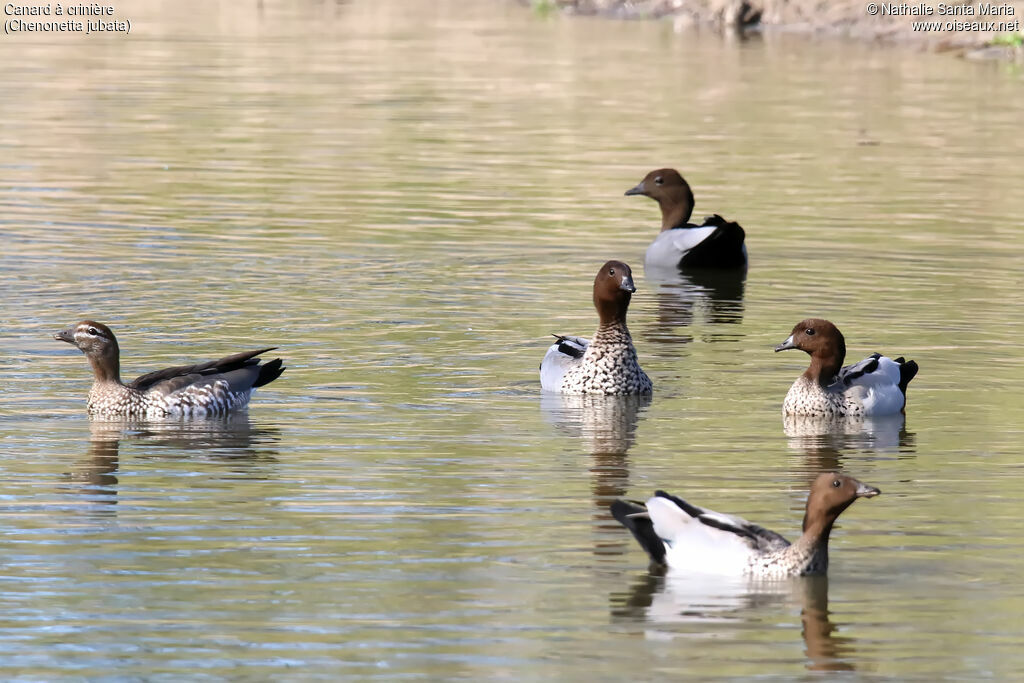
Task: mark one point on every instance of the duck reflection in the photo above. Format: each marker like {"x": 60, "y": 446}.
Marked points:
{"x": 607, "y": 427}
{"x": 233, "y": 440}
{"x": 670, "y": 605}
{"x": 883, "y": 433}
{"x": 94, "y": 475}
{"x": 605, "y": 424}
{"x": 716, "y": 296}
{"x": 233, "y": 436}
{"x": 825, "y": 651}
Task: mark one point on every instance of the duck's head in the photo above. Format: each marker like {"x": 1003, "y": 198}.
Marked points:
{"x": 613, "y": 288}
{"x": 98, "y": 344}
{"x": 831, "y": 493}
{"x": 825, "y": 344}
{"x": 816, "y": 337}
{"x": 672, "y": 193}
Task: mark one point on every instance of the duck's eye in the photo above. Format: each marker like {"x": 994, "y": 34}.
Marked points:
{"x": 836, "y": 483}
{"x": 93, "y": 331}
{"x": 809, "y": 331}
{"x": 658, "y": 181}
{"x": 611, "y": 271}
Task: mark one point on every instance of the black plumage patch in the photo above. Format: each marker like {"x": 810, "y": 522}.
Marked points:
{"x": 171, "y": 380}
{"x": 722, "y": 249}
{"x": 568, "y": 348}
{"x": 269, "y": 372}
{"x": 908, "y": 370}
{"x": 641, "y": 527}
{"x": 868, "y": 367}
{"x": 214, "y": 367}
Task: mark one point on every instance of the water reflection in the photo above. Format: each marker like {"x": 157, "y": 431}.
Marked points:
{"x": 94, "y": 475}
{"x": 607, "y": 427}
{"x": 605, "y": 424}
{"x": 716, "y": 296}
{"x": 670, "y": 604}
{"x": 233, "y": 440}
{"x": 825, "y": 651}
{"x": 884, "y": 433}
{"x": 231, "y": 437}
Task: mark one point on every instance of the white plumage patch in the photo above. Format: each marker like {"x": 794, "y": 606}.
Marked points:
{"x": 865, "y": 389}
{"x": 670, "y": 246}
{"x": 882, "y": 395}
{"x": 695, "y": 547}
{"x": 556, "y": 362}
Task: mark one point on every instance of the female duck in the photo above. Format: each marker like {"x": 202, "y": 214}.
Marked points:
{"x": 875, "y": 386}
{"x": 685, "y": 538}
{"x": 716, "y": 243}
{"x": 608, "y": 364}
{"x": 203, "y": 390}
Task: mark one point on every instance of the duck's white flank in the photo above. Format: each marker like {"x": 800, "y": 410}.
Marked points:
{"x": 561, "y": 357}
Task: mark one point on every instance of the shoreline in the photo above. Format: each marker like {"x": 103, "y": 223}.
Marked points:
{"x": 981, "y": 30}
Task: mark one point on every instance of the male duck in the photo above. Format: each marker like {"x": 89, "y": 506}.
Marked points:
{"x": 875, "y": 386}
{"x": 203, "y": 390}
{"x": 716, "y": 243}
{"x": 685, "y": 538}
{"x": 608, "y": 364}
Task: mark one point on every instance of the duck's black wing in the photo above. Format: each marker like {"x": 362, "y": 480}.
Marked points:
{"x": 240, "y": 370}
{"x": 723, "y": 248}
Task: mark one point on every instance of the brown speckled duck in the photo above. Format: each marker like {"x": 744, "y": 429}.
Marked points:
{"x": 203, "y": 390}
{"x": 691, "y": 540}
{"x": 875, "y": 386}
{"x": 607, "y": 364}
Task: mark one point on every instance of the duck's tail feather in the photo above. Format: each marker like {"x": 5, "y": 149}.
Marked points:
{"x": 908, "y": 370}
{"x": 633, "y": 516}
{"x": 269, "y": 372}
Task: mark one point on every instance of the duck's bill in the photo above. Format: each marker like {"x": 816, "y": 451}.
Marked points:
{"x": 67, "y": 335}
{"x": 788, "y": 344}
{"x": 865, "y": 491}
{"x": 639, "y": 189}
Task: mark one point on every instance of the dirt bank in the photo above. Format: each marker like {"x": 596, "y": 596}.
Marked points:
{"x": 993, "y": 30}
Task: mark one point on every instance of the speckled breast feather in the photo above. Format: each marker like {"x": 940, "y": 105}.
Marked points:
{"x": 609, "y": 366}
{"x": 810, "y": 399}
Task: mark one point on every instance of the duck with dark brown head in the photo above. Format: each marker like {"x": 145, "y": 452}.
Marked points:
{"x": 688, "y": 539}
{"x": 875, "y": 386}
{"x": 715, "y": 243}
{"x": 608, "y": 364}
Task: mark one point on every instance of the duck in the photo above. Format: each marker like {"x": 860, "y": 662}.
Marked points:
{"x": 682, "y": 538}
{"x": 210, "y": 389}
{"x": 715, "y": 243}
{"x": 873, "y": 387}
{"x": 607, "y": 364}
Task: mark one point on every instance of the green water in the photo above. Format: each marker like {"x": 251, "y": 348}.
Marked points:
{"x": 407, "y": 198}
